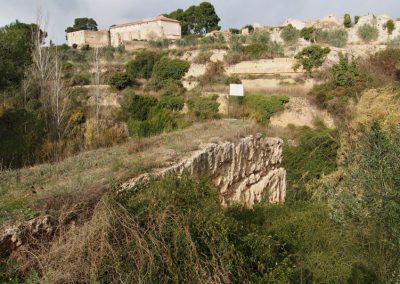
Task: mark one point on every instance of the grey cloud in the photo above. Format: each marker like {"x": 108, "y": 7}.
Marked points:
{"x": 234, "y": 13}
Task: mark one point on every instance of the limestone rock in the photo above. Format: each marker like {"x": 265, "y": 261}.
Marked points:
{"x": 244, "y": 172}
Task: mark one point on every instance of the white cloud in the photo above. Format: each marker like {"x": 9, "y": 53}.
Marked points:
{"x": 234, "y": 13}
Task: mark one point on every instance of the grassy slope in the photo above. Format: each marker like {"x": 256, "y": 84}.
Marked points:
{"x": 84, "y": 178}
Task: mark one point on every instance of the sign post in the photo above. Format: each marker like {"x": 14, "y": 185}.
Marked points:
{"x": 236, "y": 90}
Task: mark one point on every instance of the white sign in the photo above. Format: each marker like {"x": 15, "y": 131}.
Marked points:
{"x": 236, "y": 90}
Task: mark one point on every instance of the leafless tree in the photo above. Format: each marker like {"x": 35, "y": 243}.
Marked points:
{"x": 96, "y": 82}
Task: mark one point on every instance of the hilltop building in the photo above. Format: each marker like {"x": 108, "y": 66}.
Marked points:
{"x": 155, "y": 28}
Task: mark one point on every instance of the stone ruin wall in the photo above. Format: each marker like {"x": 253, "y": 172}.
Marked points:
{"x": 244, "y": 172}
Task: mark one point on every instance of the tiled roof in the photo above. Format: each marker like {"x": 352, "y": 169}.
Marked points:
{"x": 155, "y": 19}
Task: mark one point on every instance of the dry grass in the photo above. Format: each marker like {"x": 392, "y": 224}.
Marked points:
{"x": 24, "y": 193}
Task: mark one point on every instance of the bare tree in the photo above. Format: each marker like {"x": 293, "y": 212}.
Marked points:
{"x": 96, "y": 82}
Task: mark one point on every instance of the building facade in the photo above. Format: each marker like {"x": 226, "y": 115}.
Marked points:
{"x": 92, "y": 38}
{"x": 159, "y": 27}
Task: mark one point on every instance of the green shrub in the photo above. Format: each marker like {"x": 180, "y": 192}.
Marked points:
{"x": 232, "y": 80}
{"x": 232, "y": 58}
{"x": 290, "y": 34}
{"x": 171, "y": 102}
{"x": 356, "y": 19}
{"x": 263, "y": 107}
{"x": 313, "y": 155}
{"x": 204, "y": 107}
{"x": 137, "y": 107}
{"x": 162, "y": 43}
{"x": 234, "y": 31}
{"x": 311, "y": 57}
{"x": 390, "y": 26}
{"x": 385, "y": 63}
{"x": 260, "y": 37}
{"x": 257, "y": 51}
{"x": 189, "y": 40}
{"x": 174, "y": 69}
{"x": 85, "y": 47}
{"x": 368, "y": 33}
{"x": 249, "y": 27}
{"x": 159, "y": 120}
{"x": 142, "y": 65}
{"x": 336, "y": 37}
{"x": 307, "y": 33}
{"x": 347, "y": 21}
{"x": 120, "y": 80}
{"x": 345, "y": 73}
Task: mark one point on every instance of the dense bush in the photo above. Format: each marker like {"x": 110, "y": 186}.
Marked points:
{"x": 159, "y": 120}
{"x": 311, "y": 57}
{"x": 290, "y": 34}
{"x": 308, "y": 33}
{"x": 142, "y": 65}
{"x": 368, "y": 32}
{"x": 385, "y": 64}
{"x": 390, "y": 26}
{"x": 161, "y": 43}
{"x": 189, "y": 40}
{"x": 120, "y": 80}
{"x": 204, "y": 107}
{"x": 261, "y": 107}
{"x": 313, "y": 155}
{"x": 260, "y": 37}
{"x": 174, "y": 69}
{"x": 22, "y": 135}
{"x": 346, "y": 72}
{"x": 356, "y": 19}
{"x": 136, "y": 107}
{"x": 171, "y": 102}
{"x": 347, "y": 21}
{"x": 336, "y": 37}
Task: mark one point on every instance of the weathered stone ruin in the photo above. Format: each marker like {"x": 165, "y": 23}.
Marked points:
{"x": 244, "y": 172}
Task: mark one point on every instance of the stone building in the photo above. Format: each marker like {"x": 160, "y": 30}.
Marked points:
{"x": 159, "y": 27}
{"x": 92, "y": 38}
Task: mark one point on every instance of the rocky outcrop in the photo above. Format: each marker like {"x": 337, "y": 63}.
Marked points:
{"x": 15, "y": 236}
{"x": 244, "y": 172}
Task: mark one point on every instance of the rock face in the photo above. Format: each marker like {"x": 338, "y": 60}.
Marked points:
{"x": 244, "y": 172}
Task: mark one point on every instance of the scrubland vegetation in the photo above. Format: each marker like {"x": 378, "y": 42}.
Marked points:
{"x": 340, "y": 223}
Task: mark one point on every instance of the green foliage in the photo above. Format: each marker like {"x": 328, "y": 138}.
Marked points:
{"x": 204, "y": 107}
{"x": 369, "y": 197}
{"x": 263, "y": 107}
{"x": 166, "y": 69}
{"x": 311, "y": 57}
{"x": 336, "y": 37}
{"x": 249, "y": 27}
{"x": 356, "y": 19}
{"x": 234, "y": 31}
{"x": 80, "y": 79}
{"x": 171, "y": 102}
{"x": 189, "y": 40}
{"x": 290, "y": 34}
{"x": 22, "y": 134}
{"x": 260, "y": 37}
{"x": 137, "y": 107}
{"x": 368, "y": 32}
{"x": 120, "y": 80}
{"x": 347, "y": 21}
{"x": 85, "y": 47}
{"x": 345, "y": 73}
{"x": 390, "y": 26}
{"x": 161, "y": 43}
{"x": 312, "y": 156}
{"x": 15, "y": 53}
{"x": 198, "y": 20}
{"x": 307, "y": 33}
{"x": 142, "y": 65}
{"x": 81, "y": 24}
{"x": 159, "y": 120}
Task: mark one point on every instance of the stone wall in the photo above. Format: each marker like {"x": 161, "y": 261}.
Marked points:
{"x": 92, "y": 38}
{"x": 244, "y": 172}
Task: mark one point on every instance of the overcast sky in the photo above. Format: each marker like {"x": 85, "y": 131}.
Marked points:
{"x": 233, "y": 13}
